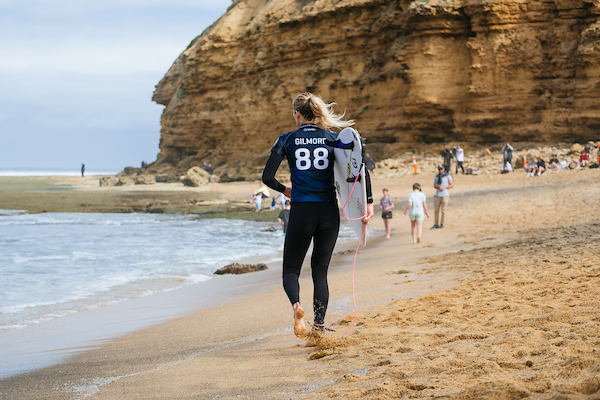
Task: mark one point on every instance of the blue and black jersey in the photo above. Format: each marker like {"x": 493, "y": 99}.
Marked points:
{"x": 311, "y": 163}
{"x": 310, "y": 160}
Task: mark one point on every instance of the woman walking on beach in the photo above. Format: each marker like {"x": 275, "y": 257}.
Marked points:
{"x": 314, "y": 213}
{"x": 417, "y": 204}
{"x": 387, "y": 204}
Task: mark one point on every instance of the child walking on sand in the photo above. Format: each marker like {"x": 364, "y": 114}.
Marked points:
{"x": 417, "y": 204}
{"x": 386, "y": 212}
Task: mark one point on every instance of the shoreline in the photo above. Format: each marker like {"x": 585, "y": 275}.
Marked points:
{"x": 80, "y": 335}
{"x": 424, "y": 311}
{"x": 52, "y": 341}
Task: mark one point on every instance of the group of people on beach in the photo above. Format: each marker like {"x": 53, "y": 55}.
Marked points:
{"x": 458, "y": 153}
{"x": 537, "y": 165}
{"x": 416, "y": 207}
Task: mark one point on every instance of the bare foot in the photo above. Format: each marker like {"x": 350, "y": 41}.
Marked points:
{"x": 418, "y": 240}
{"x": 299, "y": 325}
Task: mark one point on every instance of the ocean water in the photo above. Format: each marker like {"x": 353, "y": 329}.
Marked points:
{"x": 54, "y": 264}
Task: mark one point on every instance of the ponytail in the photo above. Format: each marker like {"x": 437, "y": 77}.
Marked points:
{"x": 312, "y": 107}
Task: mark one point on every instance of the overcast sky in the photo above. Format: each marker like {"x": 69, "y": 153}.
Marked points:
{"x": 77, "y": 76}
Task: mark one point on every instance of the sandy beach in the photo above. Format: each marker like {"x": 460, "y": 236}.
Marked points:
{"x": 503, "y": 303}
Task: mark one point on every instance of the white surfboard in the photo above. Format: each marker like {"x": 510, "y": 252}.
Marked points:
{"x": 347, "y": 166}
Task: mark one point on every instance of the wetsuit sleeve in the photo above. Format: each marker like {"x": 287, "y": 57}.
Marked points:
{"x": 268, "y": 176}
{"x": 368, "y": 188}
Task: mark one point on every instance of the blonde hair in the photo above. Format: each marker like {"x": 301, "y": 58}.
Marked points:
{"x": 312, "y": 107}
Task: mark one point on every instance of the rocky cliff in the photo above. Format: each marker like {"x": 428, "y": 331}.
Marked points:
{"x": 410, "y": 73}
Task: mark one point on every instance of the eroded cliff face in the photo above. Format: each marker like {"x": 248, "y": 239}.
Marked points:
{"x": 410, "y": 73}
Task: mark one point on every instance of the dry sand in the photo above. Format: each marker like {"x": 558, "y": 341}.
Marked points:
{"x": 503, "y": 303}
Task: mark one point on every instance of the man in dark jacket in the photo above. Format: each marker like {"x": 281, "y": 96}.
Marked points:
{"x": 447, "y": 154}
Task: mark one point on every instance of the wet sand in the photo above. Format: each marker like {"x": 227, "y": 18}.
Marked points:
{"x": 502, "y": 303}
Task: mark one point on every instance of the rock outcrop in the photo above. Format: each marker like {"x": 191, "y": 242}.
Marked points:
{"x": 195, "y": 177}
{"x": 128, "y": 177}
{"x": 237, "y": 268}
{"x": 410, "y": 73}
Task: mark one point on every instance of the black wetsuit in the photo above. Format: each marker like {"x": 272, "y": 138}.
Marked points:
{"x": 314, "y": 214}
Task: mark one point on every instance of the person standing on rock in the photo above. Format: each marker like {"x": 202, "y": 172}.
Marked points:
{"x": 442, "y": 183}
{"x": 314, "y": 214}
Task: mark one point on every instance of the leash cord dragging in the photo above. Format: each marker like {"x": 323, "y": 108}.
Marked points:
{"x": 354, "y": 263}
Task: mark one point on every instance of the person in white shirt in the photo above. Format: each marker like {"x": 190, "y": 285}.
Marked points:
{"x": 460, "y": 157}
{"x": 417, "y": 209}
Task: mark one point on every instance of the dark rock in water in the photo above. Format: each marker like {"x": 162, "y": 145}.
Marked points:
{"x": 270, "y": 229}
{"x": 236, "y": 268}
